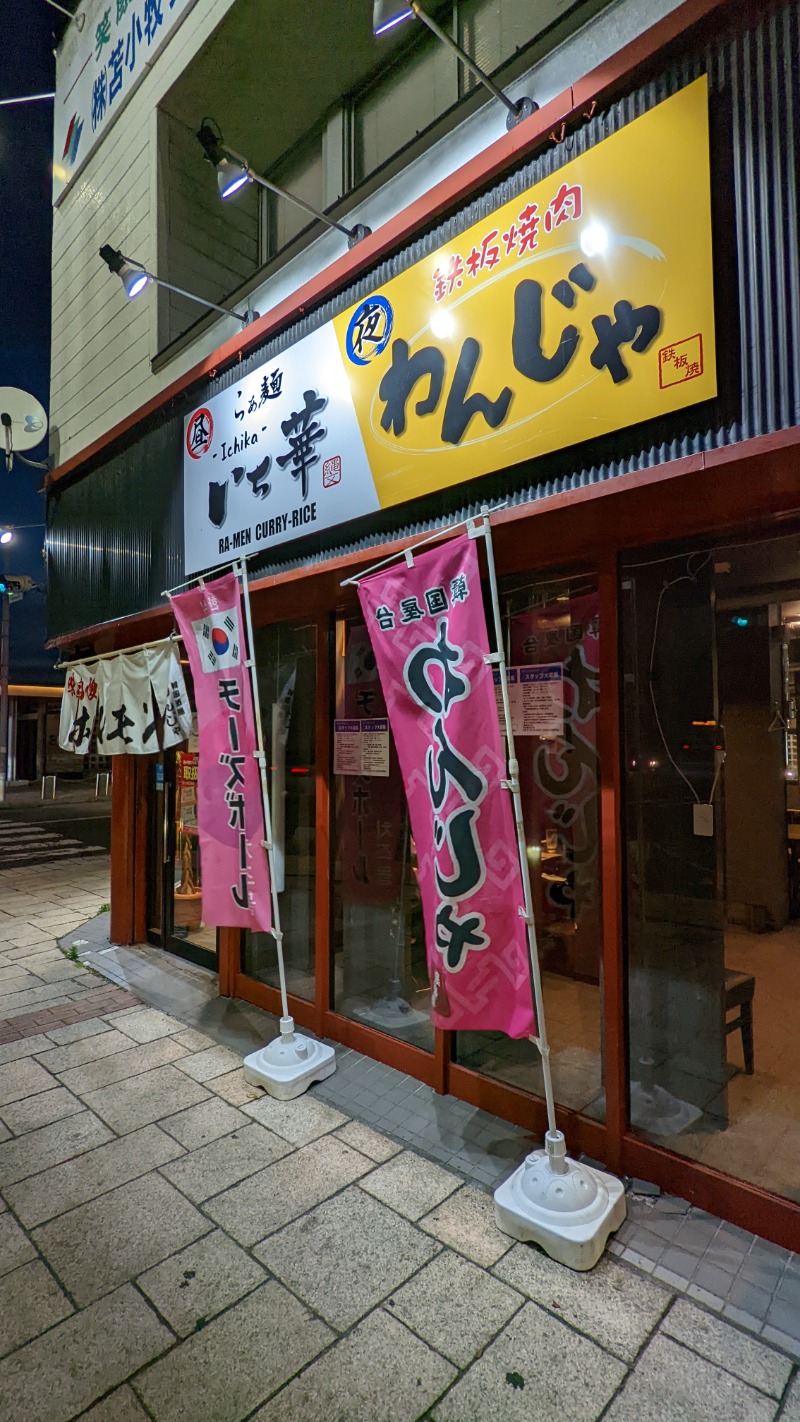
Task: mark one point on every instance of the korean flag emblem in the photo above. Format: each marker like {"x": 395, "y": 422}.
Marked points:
{"x": 218, "y": 640}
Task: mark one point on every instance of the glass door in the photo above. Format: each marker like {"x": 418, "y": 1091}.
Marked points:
{"x": 174, "y": 881}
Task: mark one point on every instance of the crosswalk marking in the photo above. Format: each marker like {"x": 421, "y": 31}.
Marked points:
{"x": 22, "y": 843}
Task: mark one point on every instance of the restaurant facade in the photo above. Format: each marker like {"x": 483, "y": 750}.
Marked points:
{"x": 589, "y": 327}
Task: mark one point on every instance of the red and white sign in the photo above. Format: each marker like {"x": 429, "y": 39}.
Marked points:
{"x": 429, "y": 635}
{"x": 230, "y": 816}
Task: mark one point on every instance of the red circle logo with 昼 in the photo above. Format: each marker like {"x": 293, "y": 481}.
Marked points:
{"x": 199, "y": 433}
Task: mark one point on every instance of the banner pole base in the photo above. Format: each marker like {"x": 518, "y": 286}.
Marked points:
{"x": 290, "y": 1063}
{"x": 567, "y": 1208}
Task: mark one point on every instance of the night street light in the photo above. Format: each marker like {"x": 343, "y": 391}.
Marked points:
{"x": 135, "y": 278}
{"x": 386, "y": 14}
{"x": 6, "y": 535}
{"x": 234, "y": 172}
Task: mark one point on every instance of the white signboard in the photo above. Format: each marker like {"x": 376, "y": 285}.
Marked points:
{"x": 98, "y": 68}
{"x": 361, "y": 747}
{"x": 536, "y": 700}
{"x": 276, "y": 456}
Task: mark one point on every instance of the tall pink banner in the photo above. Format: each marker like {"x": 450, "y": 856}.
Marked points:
{"x": 428, "y": 631}
{"x": 230, "y": 815}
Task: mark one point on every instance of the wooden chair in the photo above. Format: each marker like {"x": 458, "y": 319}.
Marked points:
{"x": 738, "y": 993}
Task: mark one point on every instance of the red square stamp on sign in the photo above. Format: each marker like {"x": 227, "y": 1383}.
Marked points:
{"x": 681, "y": 362}
{"x": 332, "y": 471}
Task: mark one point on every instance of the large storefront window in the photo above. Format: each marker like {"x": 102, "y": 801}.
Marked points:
{"x": 711, "y": 653}
{"x": 554, "y": 623}
{"x": 285, "y": 658}
{"x": 380, "y": 967}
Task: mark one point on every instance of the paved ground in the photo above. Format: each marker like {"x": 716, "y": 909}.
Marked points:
{"x": 33, "y": 830}
{"x": 175, "y": 1245}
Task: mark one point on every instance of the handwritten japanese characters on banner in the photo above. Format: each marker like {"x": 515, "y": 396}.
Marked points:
{"x": 230, "y": 816}
{"x": 429, "y": 635}
{"x": 132, "y": 704}
{"x": 579, "y": 307}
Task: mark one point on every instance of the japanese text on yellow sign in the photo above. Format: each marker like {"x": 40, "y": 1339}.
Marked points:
{"x": 580, "y": 307}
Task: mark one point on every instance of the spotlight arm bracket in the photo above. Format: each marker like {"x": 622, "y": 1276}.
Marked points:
{"x": 522, "y": 109}
{"x": 353, "y": 234}
{"x": 115, "y": 261}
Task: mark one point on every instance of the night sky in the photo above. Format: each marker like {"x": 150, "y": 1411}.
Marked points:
{"x": 30, "y": 31}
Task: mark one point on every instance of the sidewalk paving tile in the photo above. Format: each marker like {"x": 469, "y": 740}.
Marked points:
{"x": 5, "y": 1133}
{"x": 234, "y": 1089}
{"x": 411, "y": 1184}
{"x": 30, "y": 1303}
{"x": 791, "y": 1406}
{"x": 267, "y": 1201}
{"x": 371, "y": 1143}
{"x": 379, "y": 1373}
{"x": 122, "y": 1405}
{"x": 200, "y": 1125}
{"x": 74, "y": 1182}
{"x": 121, "y": 1065}
{"x": 455, "y": 1306}
{"x": 15, "y": 1247}
{"x": 200, "y": 1281}
{"x": 223, "y": 1372}
{"x": 127, "y": 1105}
{"x": 97, "y": 1246}
{"x": 41, "y": 1110}
{"x": 23, "y": 1078}
{"x": 145, "y": 1024}
{"x": 214, "y": 1167}
{"x": 465, "y": 1221}
{"x": 346, "y": 1255}
{"x": 537, "y": 1368}
{"x": 89, "y": 1049}
{"x": 77, "y": 1032}
{"x": 194, "y": 1041}
{"x": 49, "y": 1145}
{"x": 14, "y": 1051}
{"x": 671, "y": 1384}
{"x": 59, "y": 1374}
{"x": 728, "y": 1347}
{"x": 613, "y": 1304}
{"x": 300, "y": 1121}
{"x": 213, "y": 1061}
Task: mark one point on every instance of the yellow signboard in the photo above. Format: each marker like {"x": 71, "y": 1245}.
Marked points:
{"x": 580, "y": 307}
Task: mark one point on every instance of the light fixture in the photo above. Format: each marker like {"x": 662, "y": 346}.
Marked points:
{"x": 388, "y": 13}
{"x": 78, "y": 20}
{"x": 6, "y": 535}
{"x": 234, "y": 171}
{"x": 135, "y": 278}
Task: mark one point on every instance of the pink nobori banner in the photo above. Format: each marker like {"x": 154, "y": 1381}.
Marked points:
{"x": 230, "y": 815}
{"x": 429, "y": 635}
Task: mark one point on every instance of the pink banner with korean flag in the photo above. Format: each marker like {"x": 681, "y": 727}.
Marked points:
{"x": 428, "y": 630}
{"x": 230, "y": 815}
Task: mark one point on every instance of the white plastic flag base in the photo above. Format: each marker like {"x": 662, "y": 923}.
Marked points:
{"x": 656, "y": 1110}
{"x": 568, "y": 1208}
{"x": 392, "y": 1014}
{"x": 289, "y": 1064}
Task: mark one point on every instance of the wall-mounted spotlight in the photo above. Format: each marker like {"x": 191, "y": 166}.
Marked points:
{"x": 135, "y": 278}
{"x": 78, "y": 20}
{"x": 388, "y": 13}
{"x": 234, "y": 171}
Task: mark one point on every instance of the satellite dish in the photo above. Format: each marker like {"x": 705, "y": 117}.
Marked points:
{"x": 23, "y": 422}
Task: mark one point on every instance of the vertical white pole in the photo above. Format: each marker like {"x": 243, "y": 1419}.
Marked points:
{"x": 287, "y": 1022}
{"x": 513, "y": 785}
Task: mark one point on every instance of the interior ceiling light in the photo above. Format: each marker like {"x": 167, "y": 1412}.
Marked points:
{"x": 386, "y": 14}
{"x": 234, "y": 172}
{"x": 135, "y": 278}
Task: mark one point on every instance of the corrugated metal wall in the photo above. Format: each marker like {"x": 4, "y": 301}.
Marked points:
{"x": 116, "y": 534}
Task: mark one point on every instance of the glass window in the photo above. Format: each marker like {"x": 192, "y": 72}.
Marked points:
{"x": 285, "y": 658}
{"x": 302, "y": 174}
{"x": 711, "y": 657}
{"x": 380, "y": 965}
{"x": 555, "y": 623}
{"x": 402, "y": 104}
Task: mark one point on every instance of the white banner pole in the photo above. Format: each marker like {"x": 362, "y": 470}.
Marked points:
{"x": 262, "y": 773}
{"x": 512, "y": 784}
{"x": 566, "y": 1207}
{"x": 287, "y": 1066}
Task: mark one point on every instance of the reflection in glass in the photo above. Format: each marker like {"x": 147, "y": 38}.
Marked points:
{"x": 711, "y": 643}
{"x": 285, "y": 658}
{"x": 555, "y": 625}
{"x": 380, "y": 967}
